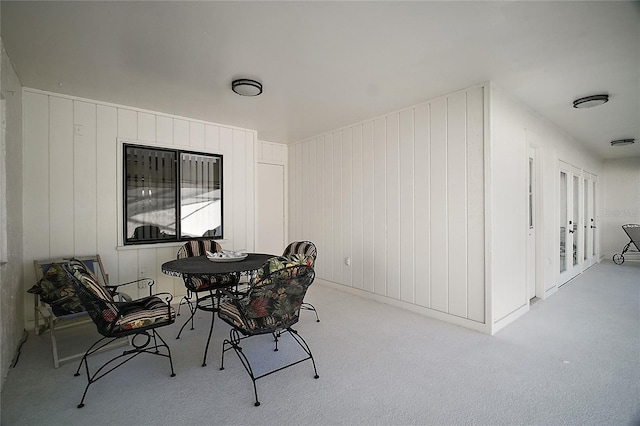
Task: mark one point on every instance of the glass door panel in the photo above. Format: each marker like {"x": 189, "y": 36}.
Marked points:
{"x": 571, "y": 209}
{"x": 563, "y": 221}
{"x": 573, "y": 224}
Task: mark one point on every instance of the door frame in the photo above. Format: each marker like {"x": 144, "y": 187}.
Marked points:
{"x": 572, "y": 269}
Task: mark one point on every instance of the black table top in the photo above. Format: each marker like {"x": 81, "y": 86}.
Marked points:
{"x": 202, "y": 265}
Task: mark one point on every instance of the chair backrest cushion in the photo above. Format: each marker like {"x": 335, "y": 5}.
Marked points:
{"x": 55, "y": 289}
{"x": 95, "y": 298}
{"x": 279, "y": 294}
{"x": 198, "y": 248}
{"x": 277, "y": 263}
{"x": 301, "y": 247}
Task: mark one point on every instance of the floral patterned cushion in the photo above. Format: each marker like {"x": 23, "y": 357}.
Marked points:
{"x": 274, "y": 298}
{"x": 55, "y": 289}
{"x": 280, "y": 263}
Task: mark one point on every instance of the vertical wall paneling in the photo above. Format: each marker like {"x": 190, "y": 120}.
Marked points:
{"x": 180, "y": 132}
{"x": 475, "y": 205}
{"x": 321, "y": 216}
{"x": 347, "y": 195}
{"x": 128, "y": 270}
{"x": 438, "y": 205}
{"x": 337, "y": 207}
{"x": 393, "y": 205}
{"x": 212, "y": 138}
{"x": 196, "y": 136}
{"x": 166, "y": 283}
{"x": 127, "y": 124}
{"x": 379, "y": 207}
{"x": 402, "y": 195}
{"x": 238, "y": 166}
{"x": 299, "y": 195}
{"x": 304, "y": 180}
{"x": 292, "y": 185}
{"x": 407, "y": 199}
{"x": 147, "y": 268}
{"x": 368, "y": 197}
{"x": 329, "y": 206}
{"x": 164, "y": 130}
{"x": 146, "y": 127}
{"x": 422, "y": 209}
{"x": 106, "y": 189}
{"x": 35, "y": 178}
{"x": 85, "y": 178}
{"x": 250, "y": 197}
{"x": 456, "y": 203}
{"x": 357, "y": 249}
{"x": 312, "y": 169}
{"x": 61, "y": 176}
{"x": 226, "y": 147}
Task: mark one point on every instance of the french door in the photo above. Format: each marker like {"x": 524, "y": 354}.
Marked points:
{"x": 589, "y": 188}
{"x": 571, "y": 233}
{"x": 578, "y": 228}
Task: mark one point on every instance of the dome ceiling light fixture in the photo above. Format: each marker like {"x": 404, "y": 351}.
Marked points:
{"x": 591, "y": 101}
{"x": 246, "y": 87}
{"x": 622, "y": 142}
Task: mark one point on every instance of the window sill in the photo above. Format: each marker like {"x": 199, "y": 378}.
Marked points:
{"x": 158, "y": 245}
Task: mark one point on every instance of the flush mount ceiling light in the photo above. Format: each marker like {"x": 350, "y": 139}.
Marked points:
{"x": 246, "y": 87}
{"x": 622, "y": 142}
{"x": 591, "y": 101}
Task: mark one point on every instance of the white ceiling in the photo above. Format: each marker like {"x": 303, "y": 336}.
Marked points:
{"x": 325, "y": 65}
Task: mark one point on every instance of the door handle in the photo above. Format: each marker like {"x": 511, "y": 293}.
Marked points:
{"x": 593, "y": 227}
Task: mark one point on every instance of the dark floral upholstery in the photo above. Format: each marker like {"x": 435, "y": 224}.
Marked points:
{"x": 274, "y": 298}
{"x": 55, "y": 289}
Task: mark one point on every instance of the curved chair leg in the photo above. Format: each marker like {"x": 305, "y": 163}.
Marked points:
{"x": 128, "y": 355}
{"x": 186, "y": 300}
{"x": 310, "y": 307}
{"x": 193, "y": 313}
{"x": 206, "y": 349}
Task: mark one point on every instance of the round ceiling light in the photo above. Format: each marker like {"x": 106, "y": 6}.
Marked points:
{"x": 622, "y": 142}
{"x": 246, "y": 87}
{"x": 591, "y": 101}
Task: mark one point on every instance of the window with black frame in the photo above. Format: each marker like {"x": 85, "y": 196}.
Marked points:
{"x": 162, "y": 185}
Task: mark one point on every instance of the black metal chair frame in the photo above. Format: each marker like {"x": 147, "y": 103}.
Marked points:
{"x": 238, "y": 334}
{"x": 314, "y": 254}
{"x": 208, "y": 301}
{"x": 150, "y": 336}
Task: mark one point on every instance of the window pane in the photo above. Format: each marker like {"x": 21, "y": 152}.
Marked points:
{"x": 200, "y": 195}
{"x": 151, "y": 194}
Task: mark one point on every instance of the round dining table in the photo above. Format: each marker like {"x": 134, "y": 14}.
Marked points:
{"x": 200, "y": 269}
{"x": 201, "y": 265}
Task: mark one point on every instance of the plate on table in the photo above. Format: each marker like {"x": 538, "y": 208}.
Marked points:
{"x": 228, "y": 257}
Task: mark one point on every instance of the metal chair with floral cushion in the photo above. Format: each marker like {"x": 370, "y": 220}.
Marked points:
{"x": 204, "y": 288}
{"x": 270, "y": 305}
{"x": 306, "y": 248}
{"x": 136, "y": 319}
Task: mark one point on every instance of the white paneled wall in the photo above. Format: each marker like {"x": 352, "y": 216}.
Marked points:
{"x": 400, "y": 198}
{"x": 71, "y": 191}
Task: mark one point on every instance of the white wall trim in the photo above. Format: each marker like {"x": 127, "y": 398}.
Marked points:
{"x": 452, "y": 319}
